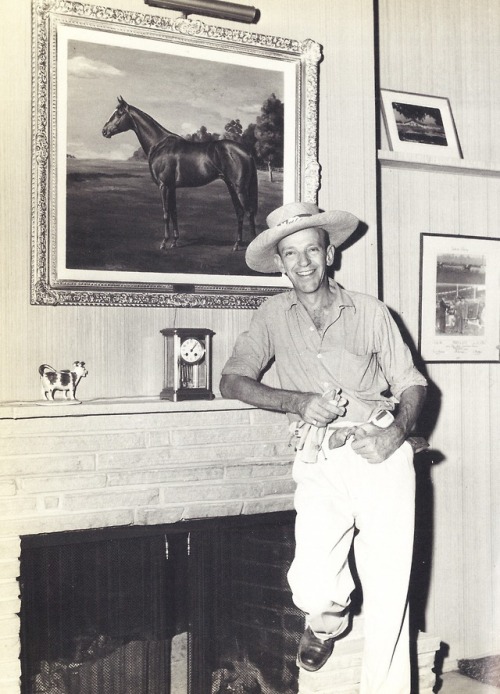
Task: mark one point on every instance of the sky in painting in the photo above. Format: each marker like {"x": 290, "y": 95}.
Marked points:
{"x": 182, "y": 93}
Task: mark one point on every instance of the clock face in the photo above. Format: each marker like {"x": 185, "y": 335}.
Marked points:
{"x": 192, "y": 350}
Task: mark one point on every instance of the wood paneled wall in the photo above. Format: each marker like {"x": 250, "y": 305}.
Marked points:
{"x": 446, "y": 48}
{"x": 122, "y": 346}
{"x": 450, "y": 48}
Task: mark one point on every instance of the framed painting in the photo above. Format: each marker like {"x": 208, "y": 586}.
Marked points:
{"x": 160, "y": 146}
{"x": 420, "y": 124}
{"x": 459, "y": 298}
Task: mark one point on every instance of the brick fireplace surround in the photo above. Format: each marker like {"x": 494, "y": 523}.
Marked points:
{"x": 146, "y": 462}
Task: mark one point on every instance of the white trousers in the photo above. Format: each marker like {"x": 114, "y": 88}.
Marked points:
{"x": 334, "y": 497}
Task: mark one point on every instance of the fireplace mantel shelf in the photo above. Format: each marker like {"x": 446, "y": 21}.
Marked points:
{"x": 133, "y": 405}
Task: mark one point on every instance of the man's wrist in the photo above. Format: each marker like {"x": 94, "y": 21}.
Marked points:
{"x": 291, "y": 402}
{"x": 399, "y": 431}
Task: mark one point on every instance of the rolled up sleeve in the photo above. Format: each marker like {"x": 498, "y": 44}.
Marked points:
{"x": 395, "y": 357}
{"x": 253, "y": 349}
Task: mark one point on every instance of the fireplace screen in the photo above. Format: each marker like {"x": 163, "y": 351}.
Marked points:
{"x": 192, "y": 608}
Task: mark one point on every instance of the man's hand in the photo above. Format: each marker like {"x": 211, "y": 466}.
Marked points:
{"x": 320, "y": 410}
{"x": 375, "y": 444}
{"x": 312, "y": 408}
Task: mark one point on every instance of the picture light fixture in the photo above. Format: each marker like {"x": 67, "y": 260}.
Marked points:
{"x": 211, "y": 8}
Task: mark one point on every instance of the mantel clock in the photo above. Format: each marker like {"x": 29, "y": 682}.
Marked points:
{"x": 187, "y": 373}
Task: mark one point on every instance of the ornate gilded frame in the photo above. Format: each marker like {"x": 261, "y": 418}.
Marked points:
{"x": 50, "y": 285}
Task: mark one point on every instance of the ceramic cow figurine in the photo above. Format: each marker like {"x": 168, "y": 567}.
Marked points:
{"x": 65, "y": 380}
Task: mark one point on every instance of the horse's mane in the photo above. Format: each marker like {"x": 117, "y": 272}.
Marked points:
{"x": 149, "y": 118}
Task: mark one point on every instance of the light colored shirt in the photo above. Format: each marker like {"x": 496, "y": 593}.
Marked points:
{"x": 360, "y": 351}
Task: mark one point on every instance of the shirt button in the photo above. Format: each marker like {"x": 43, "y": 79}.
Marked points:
{"x": 311, "y": 328}
{"x": 326, "y": 384}
{"x": 320, "y": 356}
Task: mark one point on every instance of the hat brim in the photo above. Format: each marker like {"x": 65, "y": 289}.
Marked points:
{"x": 260, "y": 253}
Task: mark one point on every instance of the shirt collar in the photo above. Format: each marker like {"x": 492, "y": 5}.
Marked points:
{"x": 342, "y": 297}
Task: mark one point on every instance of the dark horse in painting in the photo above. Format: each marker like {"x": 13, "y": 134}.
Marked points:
{"x": 178, "y": 163}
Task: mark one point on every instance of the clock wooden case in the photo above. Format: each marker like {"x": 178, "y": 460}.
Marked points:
{"x": 187, "y": 373}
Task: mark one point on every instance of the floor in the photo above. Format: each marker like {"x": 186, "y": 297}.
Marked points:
{"x": 455, "y": 683}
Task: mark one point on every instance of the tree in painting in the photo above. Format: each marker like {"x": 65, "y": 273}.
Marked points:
{"x": 269, "y": 134}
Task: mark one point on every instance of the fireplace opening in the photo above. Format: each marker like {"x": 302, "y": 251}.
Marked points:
{"x": 197, "y": 607}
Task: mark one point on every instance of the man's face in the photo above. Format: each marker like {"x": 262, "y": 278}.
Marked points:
{"x": 304, "y": 258}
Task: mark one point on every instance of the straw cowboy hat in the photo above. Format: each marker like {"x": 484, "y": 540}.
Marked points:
{"x": 293, "y": 217}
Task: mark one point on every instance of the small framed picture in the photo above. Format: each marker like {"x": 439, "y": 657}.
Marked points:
{"x": 420, "y": 124}
{"x": 459, "y": 298}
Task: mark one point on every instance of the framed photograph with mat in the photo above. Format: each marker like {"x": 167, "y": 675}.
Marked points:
{"x": 459, "y": 298}
{"x": 420, "y": 124}
{"x": 160, "y": 145}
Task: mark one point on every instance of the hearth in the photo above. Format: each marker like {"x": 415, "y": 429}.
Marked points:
{"x": 196, "y": 607}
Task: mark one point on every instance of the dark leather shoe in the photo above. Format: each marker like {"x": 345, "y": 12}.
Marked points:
{"x": 313, "y": 652}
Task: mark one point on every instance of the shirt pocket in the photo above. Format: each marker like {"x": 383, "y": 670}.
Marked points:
{"x": 356, "y": 372}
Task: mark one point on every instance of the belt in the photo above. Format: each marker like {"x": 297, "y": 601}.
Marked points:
{"x": 308, "y": 440}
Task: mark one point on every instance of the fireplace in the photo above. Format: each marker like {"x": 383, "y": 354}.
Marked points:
{"x": 201, "y": 607}
{"x": 130, "y": 465}
{"x": 131, "y": 470}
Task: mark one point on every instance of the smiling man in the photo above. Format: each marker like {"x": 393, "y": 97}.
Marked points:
{"x": 353, "y": 395}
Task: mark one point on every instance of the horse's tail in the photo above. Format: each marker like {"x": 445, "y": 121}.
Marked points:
{"x": 237, "y": 167}
{"x": 253, "y": 189}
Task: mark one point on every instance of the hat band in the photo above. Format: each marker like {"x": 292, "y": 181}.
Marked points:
{"x": 293, "y": 219}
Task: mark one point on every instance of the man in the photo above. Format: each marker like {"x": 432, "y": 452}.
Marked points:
{"x": 340, "y": 361}
{"x": 462, "y": 311}
{"x": 441, "y": 315}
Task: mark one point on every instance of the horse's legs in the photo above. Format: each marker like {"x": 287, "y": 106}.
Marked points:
{"x": 172, "y": 210}
{"x": 251, "y": 219}
{"x": 239, "y": 205}
{"x": 166, "y": 217}
{"x": 240, "y": 214}
{"x": 169, "y": 202}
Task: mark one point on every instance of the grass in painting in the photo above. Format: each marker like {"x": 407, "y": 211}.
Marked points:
{"x": 114, "y": 221}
